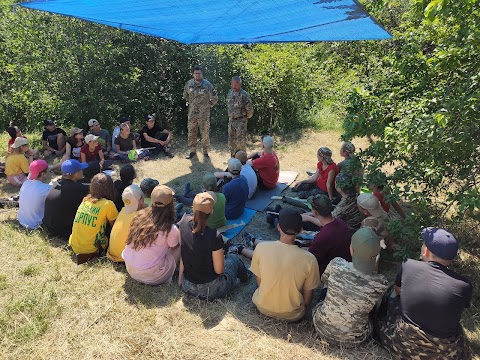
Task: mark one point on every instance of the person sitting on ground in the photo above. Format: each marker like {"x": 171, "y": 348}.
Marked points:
{"x": 377, "y": 183}
{"x": 323, "y": 180}
{"x": 247, "y": 171}
{"x": 204, "y": 270}
{"x": 346, "y": 151}
{"x": 235, "y": 191}
{"x": 347, "y": 208}
{"x": 14, "y": 132}
{"x": 152, "y": 250}
{"x": 92, "y": 154}
{"x": 148, "y": 137}
{"x": 265, "y": 164}
{"x": 354, "y": 288}
{"x": 54, "y": 139}
{"x": 16, "y": 166}
{"x": 64, "y": 198}
{"x": 134, "y": 201}
{"x": 32, "y": 196}
{"x": 125, "y": 142}
{"x": 97, "y": 211}
{"x": 74, "y": 144}
{"x": 333, "y": 239}
{"x": 217, "y": 219}
{"x": 283, "y": 293}
{"x": 104, "y": 138}
{"x": 423, "y": 321}
{"x": 375, "y": 218}
{"x": 127, "y": 175}
{"x": 147, "y": 185}
{"x": 116, "y": 131}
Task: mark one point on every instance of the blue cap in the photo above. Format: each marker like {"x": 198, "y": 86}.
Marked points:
{"x": 70, "y": 167}
{"x": 440, "y": 242}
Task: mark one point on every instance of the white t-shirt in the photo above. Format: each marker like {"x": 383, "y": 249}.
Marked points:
{"x": 115, "y": 133}
{"x": 251, "y": 177}
{"x": 32, "y": 203}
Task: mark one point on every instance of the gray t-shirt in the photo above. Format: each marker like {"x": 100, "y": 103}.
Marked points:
{"x": 104, "y": 138}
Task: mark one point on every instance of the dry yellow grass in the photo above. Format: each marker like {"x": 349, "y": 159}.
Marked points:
{"x": 52, "y": 308}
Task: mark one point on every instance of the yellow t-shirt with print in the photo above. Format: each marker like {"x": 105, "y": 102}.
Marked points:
{"x": 16, "y": 164}
{"x": 119, "y": 235}
{"x": 90, "y": 225}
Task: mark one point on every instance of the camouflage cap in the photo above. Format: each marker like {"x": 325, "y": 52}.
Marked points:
{"x": 366, "y": 247}
{"x": 348, "y": 147}
{"x": 326, "y": 153}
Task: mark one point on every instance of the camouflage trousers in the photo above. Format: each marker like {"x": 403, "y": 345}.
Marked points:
{"x": 193, "y": 124}
{"x": 406, "y": 341}
{"x": 237, "y": 135}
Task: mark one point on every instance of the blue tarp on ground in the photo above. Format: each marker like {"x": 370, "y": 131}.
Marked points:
{"x": 227, "y": 21}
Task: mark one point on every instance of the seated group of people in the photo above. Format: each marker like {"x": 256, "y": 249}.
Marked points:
{"x": 418, "y": 317}
{"x": 97, "y": 148}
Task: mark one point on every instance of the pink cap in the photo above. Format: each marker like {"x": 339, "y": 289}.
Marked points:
{"x": 36, "y": 167}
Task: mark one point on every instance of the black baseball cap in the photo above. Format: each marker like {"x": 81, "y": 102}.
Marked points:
{"x": 48, "y": 122}
{"x": 290, "y": 221}
{"x": 123, "y": 119}
{"x": 440, "y": 242}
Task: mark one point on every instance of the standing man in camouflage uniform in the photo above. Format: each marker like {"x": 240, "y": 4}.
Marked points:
{"x": 353, "y": 290}
{"x": 200, "y": 97}
{"x": 240, "y": 109}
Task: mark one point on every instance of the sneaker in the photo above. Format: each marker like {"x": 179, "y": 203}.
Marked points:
{"x": 278, "y": 208}
{"x": 236, "y": 249}
{"x": 191, "y": 155}
{"x": 248, "y": 239}
{"x": 168, "y": 154}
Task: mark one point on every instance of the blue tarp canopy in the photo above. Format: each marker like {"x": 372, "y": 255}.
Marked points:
{"x": 227, "y": 21}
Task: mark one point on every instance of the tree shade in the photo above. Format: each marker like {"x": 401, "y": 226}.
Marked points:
{"x": 227, "y": 21}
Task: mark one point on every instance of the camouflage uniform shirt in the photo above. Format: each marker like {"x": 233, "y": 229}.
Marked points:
{"x": 347, "y": 210}
{"x": 343, "y": 317}
{"x": 200, "y": 97}
{"x": 239, "y": 105}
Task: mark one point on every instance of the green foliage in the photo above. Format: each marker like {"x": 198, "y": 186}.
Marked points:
{"x": 71, "y": 70}
{"x": 421, "y": 105}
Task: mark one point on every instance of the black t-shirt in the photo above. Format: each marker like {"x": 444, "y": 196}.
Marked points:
{"x": 125, "y": 144}
{"x": 197, "y": 252}
{"x": 75, "y": 150}
{"x": 51, "y": 137}
{"x": 150, "y": 132}
{"x": 61, "y": 206}
{"x": 119, "y": 187}
{"x": 433, "y": 297}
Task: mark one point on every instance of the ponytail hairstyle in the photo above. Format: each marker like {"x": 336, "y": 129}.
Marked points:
{"x": 200, "y": 220}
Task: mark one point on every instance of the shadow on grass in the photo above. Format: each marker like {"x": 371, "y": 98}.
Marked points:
{"x": 210, "y": 312}
{"x": 151, "y": 296}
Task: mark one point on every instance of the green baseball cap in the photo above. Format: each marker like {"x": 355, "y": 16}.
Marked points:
{"x": 366, "y": 247}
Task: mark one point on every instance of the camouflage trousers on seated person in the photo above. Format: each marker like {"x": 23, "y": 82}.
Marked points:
{"x": 406, "y": 341}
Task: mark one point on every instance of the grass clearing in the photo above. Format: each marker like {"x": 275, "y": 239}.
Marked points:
{"x": 52, "y": 308}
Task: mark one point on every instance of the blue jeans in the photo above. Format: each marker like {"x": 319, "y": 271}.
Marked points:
{"x": 218, "y": 288}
